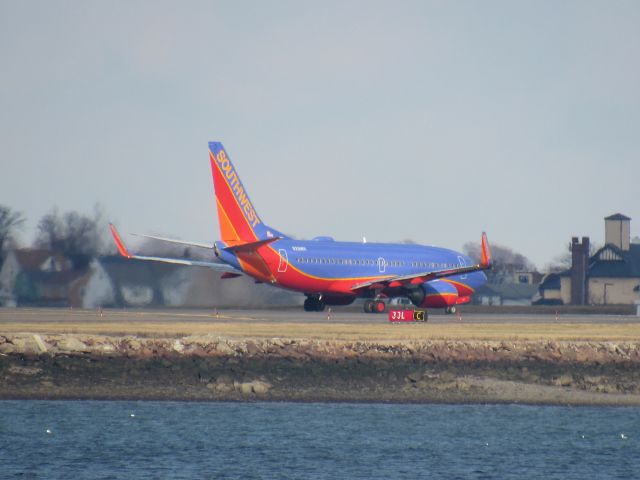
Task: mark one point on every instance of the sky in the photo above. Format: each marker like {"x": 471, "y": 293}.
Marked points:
{"x": 428, "y": 120}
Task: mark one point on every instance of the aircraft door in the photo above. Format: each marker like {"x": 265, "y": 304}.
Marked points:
{"x": 284, "y": 261}
{"x": 381, "y": 264}
{"x": 463, "y": 263}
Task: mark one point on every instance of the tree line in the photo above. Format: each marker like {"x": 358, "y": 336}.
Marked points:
{"x": 71, "y": 233}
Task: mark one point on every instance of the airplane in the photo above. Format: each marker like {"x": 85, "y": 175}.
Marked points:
{"x": 328, "y": 272}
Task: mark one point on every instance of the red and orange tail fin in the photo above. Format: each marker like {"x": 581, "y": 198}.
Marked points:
{"x": 239, "y": 221}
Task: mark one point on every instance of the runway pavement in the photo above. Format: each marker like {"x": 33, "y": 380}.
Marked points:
{"x": 65, "y": 315}
{"x": 335, "y": 325}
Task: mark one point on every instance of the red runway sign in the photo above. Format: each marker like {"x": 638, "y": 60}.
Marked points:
{"x": 407, "y": 316}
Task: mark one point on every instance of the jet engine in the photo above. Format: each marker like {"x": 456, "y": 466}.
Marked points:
{"x": 434, "y": 294}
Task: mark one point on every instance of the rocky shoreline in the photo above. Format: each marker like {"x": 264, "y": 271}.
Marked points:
{"x": 213, "y": 368}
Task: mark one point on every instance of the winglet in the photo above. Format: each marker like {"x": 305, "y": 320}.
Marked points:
{"x": 116, "y": 238}
{"x": 486, "y": 254}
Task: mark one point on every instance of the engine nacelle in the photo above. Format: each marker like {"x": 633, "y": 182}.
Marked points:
{"x": 435, "y": 294}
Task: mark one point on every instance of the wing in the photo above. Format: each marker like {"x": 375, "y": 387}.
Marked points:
{"x": 221, "y": 267}
{"x": 417, "y": 278}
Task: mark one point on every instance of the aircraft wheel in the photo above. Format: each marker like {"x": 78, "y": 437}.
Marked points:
{"x": 379, "y": 306}
{"x": 308, "y": 305}
{"x": 313, "y": 304}
{"x": 450, "y": 310}
{"x": 368, "y": 306}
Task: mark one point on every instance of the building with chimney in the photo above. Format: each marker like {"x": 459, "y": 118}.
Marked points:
{"x": 34, "y": 277}
{"x": 611, "y": 276}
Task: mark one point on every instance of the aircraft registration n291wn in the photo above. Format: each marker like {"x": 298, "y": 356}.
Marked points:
{"x": 328, "y": 272}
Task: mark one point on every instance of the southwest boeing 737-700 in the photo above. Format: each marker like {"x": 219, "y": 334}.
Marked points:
{"x": 328, "y": 272}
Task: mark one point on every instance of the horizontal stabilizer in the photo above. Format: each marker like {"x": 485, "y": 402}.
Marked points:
{"x": 251, "y": 246}
{"x": 221, "y": 267}
{"x": 173, "y": 240}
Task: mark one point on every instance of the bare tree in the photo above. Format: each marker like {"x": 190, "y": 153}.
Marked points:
{"x": 72, "y": 233}
{"x": 10, "y": 221}
{"x": 505, "y": 260}
{"x": 562, "y": 262}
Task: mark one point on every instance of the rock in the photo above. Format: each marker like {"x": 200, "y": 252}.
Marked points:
{"x": 27, "y": 371}
{"x": 246, "y": 388}
{"x": 144, "y": 352}
{"x": 223, "y": 388}
{"x": 463, "y": 386}
{"x": 224, "y": 349}
{"x": 224, "y": 380}
{"x": 40, "y": 343}
{"x": 594, "y": 380}
{"x": 563, "y": 381}
{"x": 25, "y": 345}
{"x": 253, "y": 349}
{"x": 178, "y": 346}
{"x": 7, "y": 348}
{"x": 220, "y": 387}
{"x": 132, "y": 344}
{"x": 72, "y": 345}
{"x": 259, "y": 387}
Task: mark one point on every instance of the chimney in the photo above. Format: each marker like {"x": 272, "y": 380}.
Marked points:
{"x": 579, "y": 264}
{"x": 617, "y": 231}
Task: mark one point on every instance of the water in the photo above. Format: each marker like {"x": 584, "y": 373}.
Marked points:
{"x": 112, "y": 440}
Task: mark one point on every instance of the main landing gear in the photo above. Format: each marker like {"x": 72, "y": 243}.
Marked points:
{"x": 313, "y": 303}
{"x": 450, "y": 310}
{"x": 375, "y": 306}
